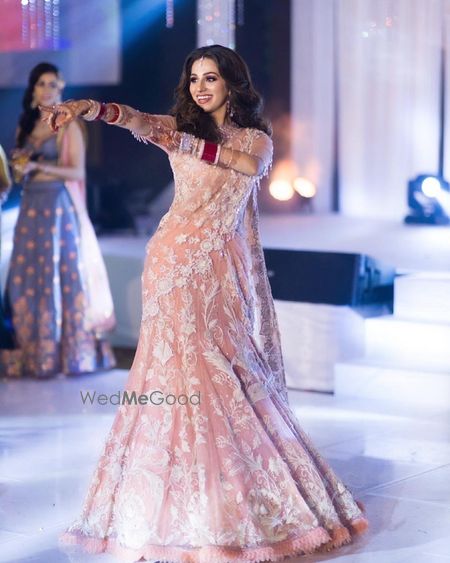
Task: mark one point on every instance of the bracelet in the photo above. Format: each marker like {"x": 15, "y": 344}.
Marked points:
{"x": 210, "y": 151}
{"x": 117, "y": 114}
{"x": 216, "y": 160}
{"x": 187, "y": 143}
{"x": 101, "y": 112}
{"x": 204, "y": 150}
{"x": 93, "y": 111}
{"x": 228, "y": 164}
{"x": 199, "y": 147}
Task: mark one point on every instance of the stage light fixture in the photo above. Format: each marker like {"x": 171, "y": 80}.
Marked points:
{"x": 281, "y": 190}
{"x": 431, "y": 186}
{"x": 429, "y": 200}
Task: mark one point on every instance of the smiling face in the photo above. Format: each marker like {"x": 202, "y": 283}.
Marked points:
{"x": 47, "y": 90}
{"x": 208, "y": 89}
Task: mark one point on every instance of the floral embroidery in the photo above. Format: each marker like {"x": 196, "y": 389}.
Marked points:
{"x": 233, "y": 478}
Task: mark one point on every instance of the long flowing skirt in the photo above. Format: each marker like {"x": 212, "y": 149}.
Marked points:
{"x": 45, "y": 300}
{"x": 205, "y": 461}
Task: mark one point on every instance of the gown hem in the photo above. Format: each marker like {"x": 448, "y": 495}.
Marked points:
{"x": 308, "y": 543}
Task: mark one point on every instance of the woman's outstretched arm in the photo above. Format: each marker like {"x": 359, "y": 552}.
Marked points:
{"x": 161, "y": 131}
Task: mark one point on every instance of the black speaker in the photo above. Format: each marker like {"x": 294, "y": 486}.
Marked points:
{"x": 334, "y": 278}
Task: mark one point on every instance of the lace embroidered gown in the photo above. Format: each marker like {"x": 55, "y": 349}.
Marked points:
{"x": 233, "y": 478}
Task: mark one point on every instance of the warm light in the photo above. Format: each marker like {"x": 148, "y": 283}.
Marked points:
{"x": 281, "y": 190}
{"x": 431, "y": 187}
{"x": 305, "y": 187}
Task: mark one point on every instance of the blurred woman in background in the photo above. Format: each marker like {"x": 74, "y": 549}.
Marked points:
{"x": 57, "y": 296}
{"x": 5, "y": 185}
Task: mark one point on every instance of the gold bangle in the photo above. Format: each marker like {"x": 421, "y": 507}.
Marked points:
{"x": 228, "y": 164}
{"x": 92, "y": 112}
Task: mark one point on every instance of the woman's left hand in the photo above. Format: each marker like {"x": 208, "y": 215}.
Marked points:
{"x": 25, "y": 168}
{"x": 30, "y": 167}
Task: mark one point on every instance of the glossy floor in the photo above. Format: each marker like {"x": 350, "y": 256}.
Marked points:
{"x": 395, "y": 458}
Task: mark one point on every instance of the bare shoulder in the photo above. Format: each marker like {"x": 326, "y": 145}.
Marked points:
{"x": 76, "y": 129}
{"x": 74, "y": 133}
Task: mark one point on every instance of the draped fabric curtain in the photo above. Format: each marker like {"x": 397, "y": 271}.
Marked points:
{"x": 312, "y": 94}
{"x": 446, "y": 50}
{"x": 387, "y": 69}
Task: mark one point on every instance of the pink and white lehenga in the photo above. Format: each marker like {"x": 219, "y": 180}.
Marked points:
{"x": 233, "y": 478}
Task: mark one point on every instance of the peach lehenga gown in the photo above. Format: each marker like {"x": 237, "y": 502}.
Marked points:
{"x": 233, "y": 478}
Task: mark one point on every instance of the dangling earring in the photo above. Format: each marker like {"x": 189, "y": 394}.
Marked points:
{"x": 230, "y": 111}
{"x": 34, "y": 103}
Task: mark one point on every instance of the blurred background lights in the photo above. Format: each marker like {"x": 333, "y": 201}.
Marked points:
{"x": 286, "y": 184}
{"x": 281, "y": 190}
{"x": 305, "y": 187}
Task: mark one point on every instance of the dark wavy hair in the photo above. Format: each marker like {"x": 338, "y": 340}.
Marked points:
{"x": 30, "y": 115}
{"x": 245, "y": 101}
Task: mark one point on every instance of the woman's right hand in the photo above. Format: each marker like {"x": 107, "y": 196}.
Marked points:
{"x": 62, "y": 114}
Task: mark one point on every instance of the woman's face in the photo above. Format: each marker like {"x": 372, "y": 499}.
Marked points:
{"x": 208, "y": 89}
{"x": 47, "y": 90}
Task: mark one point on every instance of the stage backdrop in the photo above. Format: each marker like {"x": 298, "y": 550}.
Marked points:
{"x": 385, "y": 57}
{"x": 80, "y": 36}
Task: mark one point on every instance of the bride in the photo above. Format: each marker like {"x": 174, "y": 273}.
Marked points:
{"x": 230, "y": 476}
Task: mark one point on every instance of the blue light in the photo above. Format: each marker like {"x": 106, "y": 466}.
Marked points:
{"x": 139, "y": 15}
{"x": 429, "y": 200}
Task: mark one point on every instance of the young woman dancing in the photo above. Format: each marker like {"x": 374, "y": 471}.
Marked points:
{"x": 208, "y": 464}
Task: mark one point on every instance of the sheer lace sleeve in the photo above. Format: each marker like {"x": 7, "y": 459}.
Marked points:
{"x": 262, "y": 148}
{"x": 159, "y": 130}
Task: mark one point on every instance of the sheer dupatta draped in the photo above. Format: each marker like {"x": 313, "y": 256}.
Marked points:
{"x": 266, "y": 329}
{"x": 100, "y": 309}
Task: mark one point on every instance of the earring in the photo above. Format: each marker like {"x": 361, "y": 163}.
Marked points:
{"x": 230, "y": 111}
{"x": 34, "y": 103}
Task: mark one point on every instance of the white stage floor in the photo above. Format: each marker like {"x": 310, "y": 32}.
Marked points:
{"x": 397, "y": 463}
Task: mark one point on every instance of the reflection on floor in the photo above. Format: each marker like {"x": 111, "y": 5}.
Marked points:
{"x": 395, "y": 459}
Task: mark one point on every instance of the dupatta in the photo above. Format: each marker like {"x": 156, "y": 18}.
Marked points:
{"x": 266, "y": 330}
{"x": 99, "y": 315}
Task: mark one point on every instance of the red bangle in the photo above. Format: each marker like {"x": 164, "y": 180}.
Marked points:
{"x": 116, "y": 115}
{"x": 209, "y": 151}
{"x": 101, "y": 113}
